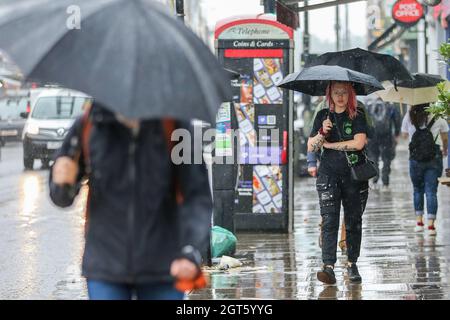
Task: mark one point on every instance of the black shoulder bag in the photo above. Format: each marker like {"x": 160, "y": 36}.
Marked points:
{"x": 363, "y": 171}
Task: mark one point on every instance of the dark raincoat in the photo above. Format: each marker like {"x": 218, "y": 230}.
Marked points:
{"x": 135, "y": 227}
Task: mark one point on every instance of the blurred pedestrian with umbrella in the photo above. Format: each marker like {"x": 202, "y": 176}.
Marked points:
{"x": 386, "y": 122}
{"x": 419, "y": 90}
{"x": 425, "y": 160}
{"x": 426, "y": 150}
{"x": 342, "y": 132}
{"x": 148, "y": 219}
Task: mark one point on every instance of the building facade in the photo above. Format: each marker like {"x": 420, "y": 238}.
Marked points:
{"x": 417, "y": 46}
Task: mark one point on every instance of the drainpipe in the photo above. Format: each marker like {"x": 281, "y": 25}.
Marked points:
{"x": 269, "y": 6}
{"x": 179, "y": 4}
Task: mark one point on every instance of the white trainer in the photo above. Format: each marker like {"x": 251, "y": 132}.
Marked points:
{"x": 418, "y": 228}
{"x": 431, "y": 231}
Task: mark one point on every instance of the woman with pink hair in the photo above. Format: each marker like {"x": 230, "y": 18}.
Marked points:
{"x": 341, "y": 133}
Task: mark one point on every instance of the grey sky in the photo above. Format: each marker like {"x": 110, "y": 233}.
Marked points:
{"x": 322, "y": 21}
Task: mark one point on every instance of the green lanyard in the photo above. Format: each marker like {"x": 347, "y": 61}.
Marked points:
{"x": 352, "y": 159}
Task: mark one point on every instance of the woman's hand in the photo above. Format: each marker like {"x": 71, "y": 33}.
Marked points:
{"x": 312, "y": 171}
{"x": 183, "y": 269}
{"x": 65, "y": 171}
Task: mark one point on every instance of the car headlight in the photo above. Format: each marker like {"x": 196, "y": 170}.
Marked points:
{"x": 33, "y": 129}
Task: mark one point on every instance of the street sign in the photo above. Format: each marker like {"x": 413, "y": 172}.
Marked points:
{"x": 287, "y": 16}
{"x": 407, "y": 12}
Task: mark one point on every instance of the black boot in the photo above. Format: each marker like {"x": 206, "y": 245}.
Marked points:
{"x": 353, "y": 273}
{"x": 326, "y": 275}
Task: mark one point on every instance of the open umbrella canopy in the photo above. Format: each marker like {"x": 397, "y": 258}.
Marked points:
{"x": 315, "y": 80}
{"x": 381, "y": 66}
{"x": 132, "y": 56}
{"x": 421, "y": 80}
{"x": 421, "y": 90}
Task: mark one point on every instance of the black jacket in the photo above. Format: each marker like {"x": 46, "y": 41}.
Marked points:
{"x": 135, "y": 227}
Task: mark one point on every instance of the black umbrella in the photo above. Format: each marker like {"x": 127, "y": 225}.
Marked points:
{"x": 314, "y": 80}
{"x": 132, "y": 56}
{"x": 381, "y": 66}
{"x": 421, "y": 80}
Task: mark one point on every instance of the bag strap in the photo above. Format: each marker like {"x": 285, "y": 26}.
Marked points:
{"x": 430, "y": 125}
{"x": 169, "y": 127}
{"x": 433, "y": 120}
{"x": 342, "y": 140}
{"x": 337, "y": 127}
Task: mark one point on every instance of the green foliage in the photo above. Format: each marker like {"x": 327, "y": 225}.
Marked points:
{"x": 441, "y": 108}
{"x": 444, "y": 50}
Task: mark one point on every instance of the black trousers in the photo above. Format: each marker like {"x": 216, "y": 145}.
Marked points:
{"x": 334, "y": 190}
{"x": 383, "y": 147}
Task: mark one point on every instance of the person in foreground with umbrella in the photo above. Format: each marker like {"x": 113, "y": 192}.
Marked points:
{"x": 148, "y": 220}
{"x": 341, "y": 131}
{"x": 425, "y": 160}
{"x": 334, "y": 182}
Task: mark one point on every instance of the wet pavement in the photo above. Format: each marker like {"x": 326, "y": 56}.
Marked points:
{"x": 41, "y": 246}
{"x": 395, "y": 262}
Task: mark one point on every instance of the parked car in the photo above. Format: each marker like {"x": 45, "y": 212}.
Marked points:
{"x": 52, "y": 114}
{"x": 11, "y": 123}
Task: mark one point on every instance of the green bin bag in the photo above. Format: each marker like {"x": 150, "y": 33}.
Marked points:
{"x": 223, "y": 242}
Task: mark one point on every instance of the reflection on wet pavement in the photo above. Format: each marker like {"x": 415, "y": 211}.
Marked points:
{"x": 40, "y": 245}
{"x": 395, "y": 262}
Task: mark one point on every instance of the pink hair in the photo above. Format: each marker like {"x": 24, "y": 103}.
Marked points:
{"x": 352, "y": 103}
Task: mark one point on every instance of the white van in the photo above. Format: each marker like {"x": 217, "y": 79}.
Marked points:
{"x": 52, "y": 114}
